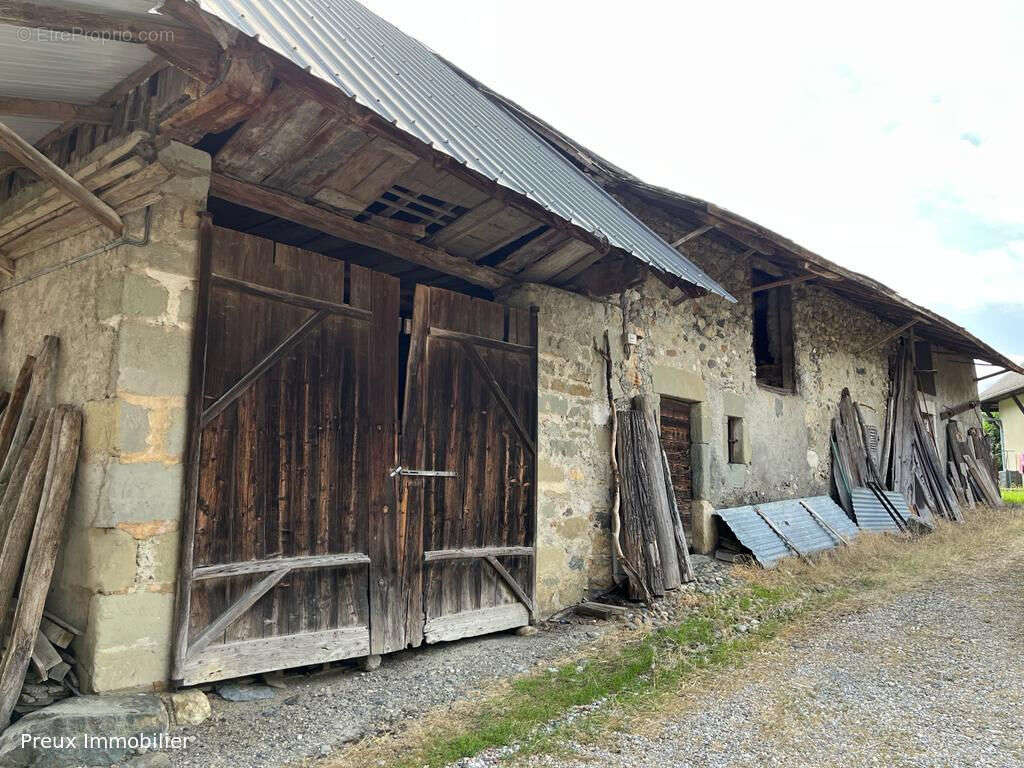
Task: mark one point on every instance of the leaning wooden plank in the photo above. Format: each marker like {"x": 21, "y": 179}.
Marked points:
{"x": 682, "y": 546}
{"x": 785, "y": 539}
{"x": 41, "y": 559}
{"x": 654, "y": 478}
{"x": 44, "y": 656}
{"x": 511, "y": 583}
{"x": 41, "y": 395}
{"x": 20, "y": 506}
{"x": 56, "y": 634}
{"x": 601, "y": 610}
{"x": 45, "y": 168}
{"x": 9, "y": 421}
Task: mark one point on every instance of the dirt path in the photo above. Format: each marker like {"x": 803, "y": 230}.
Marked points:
{"x": 931, "y": 677}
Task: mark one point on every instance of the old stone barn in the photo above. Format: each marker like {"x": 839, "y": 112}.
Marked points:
{"x": 335, "y": 315}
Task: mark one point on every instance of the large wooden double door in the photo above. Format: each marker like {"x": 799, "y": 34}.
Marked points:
{"x": 322, "y": 521}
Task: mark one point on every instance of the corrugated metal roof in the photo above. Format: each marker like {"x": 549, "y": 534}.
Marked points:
{"x": 790, "y": 517}
{"x": 343, "y": 43}
{"x": 871, "y": 515}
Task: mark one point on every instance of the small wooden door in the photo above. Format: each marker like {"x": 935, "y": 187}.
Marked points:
{"x": 675, "y": 439}
{"x": 470, "y": 413}
{"x": 294, "y": 407}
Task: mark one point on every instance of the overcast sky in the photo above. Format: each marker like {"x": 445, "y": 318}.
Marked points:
{"x": 887, "y": 137}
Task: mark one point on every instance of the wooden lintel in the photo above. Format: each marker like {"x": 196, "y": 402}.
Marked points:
{"x": 57, "y": 110}
{"x": 990, "y": 375}
{"x": 287, "y": 207}
{"x": 781, "y": 283}
{"x": 888, "y": 336}
{"x": 694, "y": 234}
{"x": 475, "y": 553}
{"x": 40, "y": 164}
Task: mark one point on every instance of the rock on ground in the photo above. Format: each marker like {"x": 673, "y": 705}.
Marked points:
{"x": 70, "y": 721}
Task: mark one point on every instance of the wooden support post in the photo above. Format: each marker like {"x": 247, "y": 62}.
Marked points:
{"x": 780, "y": 283}
{"x": 888, "y": 336}
{"x": 693, "y": 235}
{"x": 990, "y": 375}
{"x": 41, "y": 165}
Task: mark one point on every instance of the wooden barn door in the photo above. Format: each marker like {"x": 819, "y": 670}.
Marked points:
{"x": 467, "y": 482}
{"x": 675, "y": 439}
{"x": 293, "y": 434}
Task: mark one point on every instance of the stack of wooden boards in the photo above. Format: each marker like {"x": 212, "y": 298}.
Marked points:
{"x": 654, "y": 546}
{"x": 39, "y": 443}
{"x": 971, "y": 470}
{"x": 908, "y": 460}
{"x": 52, "y": 676}
{"x": 123, "y": 173}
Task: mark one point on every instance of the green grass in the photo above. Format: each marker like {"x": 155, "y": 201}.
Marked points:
{"x": 1013, "y": 495}
{"x": 640, "y": 676}
{"x": 623, "y": 679}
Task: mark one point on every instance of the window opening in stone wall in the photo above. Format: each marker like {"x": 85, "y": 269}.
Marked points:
{"x": 734, "y": 435}
{"x": 924, "y": 367}
{"x": 773, "y": 334}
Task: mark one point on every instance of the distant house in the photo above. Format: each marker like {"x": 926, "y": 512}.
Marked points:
{"x": 1006, "y": 395}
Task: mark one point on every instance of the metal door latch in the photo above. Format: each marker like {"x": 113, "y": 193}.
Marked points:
{"x": 420, "y": 472}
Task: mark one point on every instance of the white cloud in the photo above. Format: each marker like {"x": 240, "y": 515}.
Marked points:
{"x": 841, "y": 127}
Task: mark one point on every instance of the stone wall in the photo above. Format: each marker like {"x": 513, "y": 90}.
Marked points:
{"x": 124, "y": 320}
{"x": 700, "y": 351}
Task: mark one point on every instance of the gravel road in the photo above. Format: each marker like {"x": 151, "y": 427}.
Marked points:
{"x": 932, "y": 677}
{"x": 314, "y": 714}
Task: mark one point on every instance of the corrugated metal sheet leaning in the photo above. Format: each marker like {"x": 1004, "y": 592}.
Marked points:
{"x": 398, "y": 77}
{"x": 792, "y": 518}
{"x": 872, "y": 514}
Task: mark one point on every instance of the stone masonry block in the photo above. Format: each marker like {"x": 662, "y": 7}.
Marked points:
{"x": 734, "y": 405}
{"x": 140, "y": 492}
{"x": 110, "y": 557}
{"x": 131, "y": 636}
{"x": 685, "y": 385}
{"x": 143, "y": 296}
{"x": 153, "y": 360}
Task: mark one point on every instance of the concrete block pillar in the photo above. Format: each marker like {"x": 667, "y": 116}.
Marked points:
{"x": 119, "y": 573}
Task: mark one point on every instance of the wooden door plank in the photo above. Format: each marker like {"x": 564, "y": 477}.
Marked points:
{"x": 244, "y": 602}
{"x": 272, "y": 357}
{"x": 499, "y": 393}
{"x": 514, "y": 585}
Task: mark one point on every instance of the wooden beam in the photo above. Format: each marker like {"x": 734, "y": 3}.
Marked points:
{"x": 474, "y": 553}
{"x": 894, "y": 334}
{"x": 57, "y": 110}
{"x": 295, "y": 299}
{"x": 40, "y": 164}
{"x": 299, "y": 563}
{"x": 990, "y": 375}
{"x": 780, "y": 283}
{"x": 273, "y": 356}
{"x": 234, "y": 611}
{"x": 511, "y": 582}
{"x": 693, "y": 235}
{"x": 954, "y": 410}
{"x": 287, "y": 207}
{"x": 1020, "y": 405}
